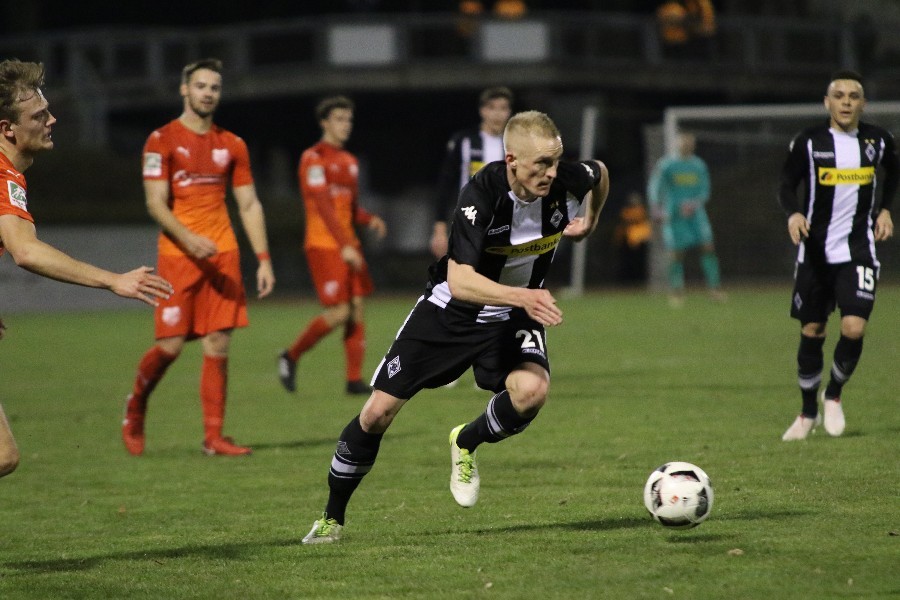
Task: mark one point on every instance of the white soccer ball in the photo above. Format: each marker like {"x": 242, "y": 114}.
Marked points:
{"x": 679, "y": 495}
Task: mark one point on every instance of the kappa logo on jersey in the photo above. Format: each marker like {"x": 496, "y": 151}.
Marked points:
{"x": 831, "y": 176}
{"x": 819, "y": 154}
{"x": 497, "y": 230}
{"x": 393, "y": 367}
{"x": 315, "y": 176}
{"x": 221, "y": 156}
{"x": 470, "y": 212}
{"x": 152, "y": 164}
{"x": 17, "y": 195}
{"x": 541, "y": 246}
{"x": 171, "y": 315}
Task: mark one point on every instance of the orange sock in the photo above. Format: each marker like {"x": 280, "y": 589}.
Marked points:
{"x": 315, "y": 331}
{"x": 151, "y": 369}
{"x": 354, "y": 349}
{"x": 213, "y": 381}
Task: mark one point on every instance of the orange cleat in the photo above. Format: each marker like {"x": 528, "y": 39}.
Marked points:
{"x": 133, "y": 431}
{"x": 224, "y": 446}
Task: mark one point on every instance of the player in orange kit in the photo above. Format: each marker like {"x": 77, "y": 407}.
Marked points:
{"x": 25, "y": 131}
{"x": 329, "y": 185}
{"x": 187, "y": 165}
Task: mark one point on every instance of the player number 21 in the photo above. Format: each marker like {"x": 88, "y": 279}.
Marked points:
{"x": 529, "y": 337}
{"x": 866, "y": 278}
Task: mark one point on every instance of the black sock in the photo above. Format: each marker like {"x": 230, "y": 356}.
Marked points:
{"x": 809, "y": 372}
{"x": 354, "y": 457}
{"x": 846, "y": 357}
{"x": 499, "y": 421}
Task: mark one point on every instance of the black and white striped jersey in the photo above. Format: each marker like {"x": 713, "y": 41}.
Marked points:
{"x": 838, "y": 172}
{"x": 467, "y": 152}
{"x": 505, "y": 239}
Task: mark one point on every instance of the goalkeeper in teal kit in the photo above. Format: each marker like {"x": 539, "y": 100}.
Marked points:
{"x": 677, "y": 192}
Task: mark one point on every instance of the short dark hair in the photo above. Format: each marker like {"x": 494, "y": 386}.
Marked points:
{"x": 492, "y": 93}
{"x": 326, "y": 105}
{"x": 17, "y": 78}
{"x": 846, "y": 74}
{"x": 213, "y": 64}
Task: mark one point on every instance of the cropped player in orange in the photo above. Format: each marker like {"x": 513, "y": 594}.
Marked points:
{"x": 25, "y": 126}
{"x": 329, "y": 185}
{"x": 187, "y": 165}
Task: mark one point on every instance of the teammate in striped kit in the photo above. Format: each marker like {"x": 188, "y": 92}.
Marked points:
{"x": 467, "y": 152}
{"x": 836, "y": 225}
{"x": 484, "y": 307}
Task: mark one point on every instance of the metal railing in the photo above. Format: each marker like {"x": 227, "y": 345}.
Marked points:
{"x": 131, "y": 67}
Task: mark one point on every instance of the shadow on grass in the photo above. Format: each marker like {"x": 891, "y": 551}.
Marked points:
{"x": 212, "y": 552}
{"x": 311, "y": 443}
{"x": 638, "y": 522}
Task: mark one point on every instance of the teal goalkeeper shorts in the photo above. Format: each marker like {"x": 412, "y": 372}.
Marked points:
{"x": 680, "y": 233}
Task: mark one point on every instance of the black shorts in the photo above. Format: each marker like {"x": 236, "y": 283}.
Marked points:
{"x": 436, "y": 345}
{"x": 818, "y": 289}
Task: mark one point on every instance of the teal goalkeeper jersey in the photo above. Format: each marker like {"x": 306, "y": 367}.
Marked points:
{"x": 677, "y": 180}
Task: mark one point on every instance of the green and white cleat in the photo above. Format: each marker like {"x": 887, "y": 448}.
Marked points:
{"x": 464, "y": 480}
{"x": 324, "y": 531}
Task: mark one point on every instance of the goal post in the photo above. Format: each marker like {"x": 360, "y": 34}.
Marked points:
{"x": 744, "y": 147}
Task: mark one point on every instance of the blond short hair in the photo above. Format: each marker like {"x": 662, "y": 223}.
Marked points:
{"x": 529, "y": 123}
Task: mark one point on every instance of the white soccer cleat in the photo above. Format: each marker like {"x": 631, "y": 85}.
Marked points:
{"x": 464, "y": 480}
{"x": 834, "y": 416}
{"x": 800, "y": 428}
{"x": 324, "y": 531}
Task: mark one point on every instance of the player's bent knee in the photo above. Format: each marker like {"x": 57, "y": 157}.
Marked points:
{"x": 379, "y": 412}
{"x": 8, "y": 462}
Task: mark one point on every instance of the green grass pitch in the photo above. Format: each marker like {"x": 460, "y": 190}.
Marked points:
{"x": 635, "y": 384}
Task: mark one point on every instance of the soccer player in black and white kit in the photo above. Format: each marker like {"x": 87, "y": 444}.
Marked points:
{"x": 484, "y": 306}
{"x": 836, "y": 225}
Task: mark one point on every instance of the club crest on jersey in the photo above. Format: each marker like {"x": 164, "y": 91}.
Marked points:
{"x": 470, "y": 212}
{"x": 221, "y": 156}
{"x": 17, "y": 195}
{"x": 870, "y": 151}
{"x": 556, "y": 218}
{"x": 393, "y": 367}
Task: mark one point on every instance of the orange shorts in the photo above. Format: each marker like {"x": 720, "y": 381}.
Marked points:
{"x": 209, "y": 296}
{"x": 335, "y": 281}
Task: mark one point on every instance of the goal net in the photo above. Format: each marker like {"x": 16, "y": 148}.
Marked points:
{"x": 745, "y": 147}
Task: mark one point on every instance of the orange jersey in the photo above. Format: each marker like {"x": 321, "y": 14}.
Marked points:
{"x": 13, "y": 197}
{"x": 197, "y": 167}
{"x": 329, "y": 185}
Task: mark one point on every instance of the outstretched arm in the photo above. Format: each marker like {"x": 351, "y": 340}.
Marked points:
{"x": 33, "y": 255}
